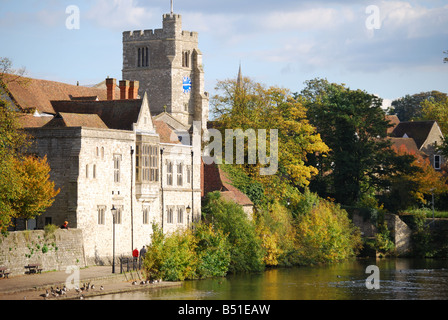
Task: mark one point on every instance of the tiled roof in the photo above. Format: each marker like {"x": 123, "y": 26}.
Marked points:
{"x": 27, "y": 120}
{"x": 116, "y": 114}
{"x": 35, "y": 94}
{"x": 417, "y": 130}
{"x": 76, "y": 120}
{"x": 215, "y": 179}
{"x": 394, "y": 121}
{"x": 167, "y": 135}
{"x": 407, "y": 145}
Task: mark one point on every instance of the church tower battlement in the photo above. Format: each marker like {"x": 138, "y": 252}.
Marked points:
{"x": 168, "y": 64}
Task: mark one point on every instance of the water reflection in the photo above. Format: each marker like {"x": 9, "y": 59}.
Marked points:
{"x": 399, "y": 279}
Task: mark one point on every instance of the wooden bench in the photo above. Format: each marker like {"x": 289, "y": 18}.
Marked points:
{"x": 33, "y": 268}
{"x": 4, "y": 273}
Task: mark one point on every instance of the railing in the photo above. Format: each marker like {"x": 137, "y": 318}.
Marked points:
{"x": 130, "y": 264}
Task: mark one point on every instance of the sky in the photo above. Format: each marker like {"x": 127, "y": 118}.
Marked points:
{"x": 387, "y": 48}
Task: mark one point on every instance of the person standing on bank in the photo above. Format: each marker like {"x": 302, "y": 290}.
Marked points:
{"x": 142, "y": 255}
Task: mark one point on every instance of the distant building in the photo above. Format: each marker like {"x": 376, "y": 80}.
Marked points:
{"x": 420, "y": 137}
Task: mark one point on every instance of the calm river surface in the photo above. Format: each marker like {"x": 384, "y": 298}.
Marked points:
{"x": 402, "y": 279}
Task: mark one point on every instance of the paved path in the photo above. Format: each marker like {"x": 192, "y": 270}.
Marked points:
{"x": 32, "y": 286}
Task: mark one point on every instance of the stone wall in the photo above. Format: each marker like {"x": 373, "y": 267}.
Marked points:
{"x": 53, "y": 251}
{"x": 400, "y": 231}
{"x": 401, "y": 234}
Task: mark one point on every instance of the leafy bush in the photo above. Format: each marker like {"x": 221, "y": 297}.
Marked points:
{"x": 383, "y": 241}
{"x": 276, "y": 230}
{"x": 171, "y": 257}
{"x": 252, "y": 188}
{"x": 325, "y": 234}
{"x": 213, "y": 252}
{"x": 246, "y": 252}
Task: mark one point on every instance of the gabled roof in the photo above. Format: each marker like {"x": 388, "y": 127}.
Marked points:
{"x": 35, "y": 94}
{"x": 417, "y": 130}
{"x": 76, "y": 120}
{"x": 116, "y": 114}
{"x": 171, "y": 121}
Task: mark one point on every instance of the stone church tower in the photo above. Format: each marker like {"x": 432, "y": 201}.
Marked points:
{"x": 168, "y": 65}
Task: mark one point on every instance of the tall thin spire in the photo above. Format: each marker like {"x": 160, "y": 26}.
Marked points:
{"x": 172, "y": 7}
{"x": 239, "y": 81}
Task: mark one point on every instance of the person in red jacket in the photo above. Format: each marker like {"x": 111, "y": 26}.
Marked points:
{"x": 135, "y": 256}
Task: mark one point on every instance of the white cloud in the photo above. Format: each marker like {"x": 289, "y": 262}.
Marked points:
{"x": 307, "y": 19}
{"x": 402, "y": 18}
{"x": 122, "y": 14}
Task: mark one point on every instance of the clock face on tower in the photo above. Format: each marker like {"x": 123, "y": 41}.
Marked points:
{"x": 186, "y": 84}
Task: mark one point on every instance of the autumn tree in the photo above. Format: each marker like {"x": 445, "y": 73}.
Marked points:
{"x": 412, "y": 189}
{"x": 25, "y": 188}
{"x": 37, "y": 191}
{"x": 353, "y": 125}
{"x": 247, "y": 105}
{"x": 409, "y": 107}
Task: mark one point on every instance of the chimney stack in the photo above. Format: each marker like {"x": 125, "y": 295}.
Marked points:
{"x": 133, "y": 89}
{"x": 111, "y": 84}
{"x": 124, "y": 89}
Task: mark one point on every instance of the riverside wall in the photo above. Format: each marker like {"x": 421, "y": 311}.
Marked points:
{"x": 54, "y": 251}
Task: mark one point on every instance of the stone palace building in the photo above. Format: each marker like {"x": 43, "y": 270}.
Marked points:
{"x": 133, "y": 145}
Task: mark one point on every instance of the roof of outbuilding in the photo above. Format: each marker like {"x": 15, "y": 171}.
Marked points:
{"x": 36, "y": 94}
{"x": 215, "y": 179}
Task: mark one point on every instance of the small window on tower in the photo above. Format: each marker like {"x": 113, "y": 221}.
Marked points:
{"x": 186, "y": 59}
{"x": 143, "y": 57}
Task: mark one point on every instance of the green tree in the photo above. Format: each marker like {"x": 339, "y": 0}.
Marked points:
{"x": 437, "y": 110}
{"x": 246, "y": 252}
{"x": 213, "y": 251}
{"x": 250, "y": 105}
{"x": 409, "y": 107}
{"x": 353, "y": 125}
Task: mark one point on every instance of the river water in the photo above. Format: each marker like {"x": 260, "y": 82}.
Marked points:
{"x": 398, "y": 279}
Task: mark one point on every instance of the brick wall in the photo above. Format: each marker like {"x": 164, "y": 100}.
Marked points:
{"x": 55, "y": 251}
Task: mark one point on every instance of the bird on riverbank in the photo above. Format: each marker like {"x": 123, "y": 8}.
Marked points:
{"x": 45, "y": 295}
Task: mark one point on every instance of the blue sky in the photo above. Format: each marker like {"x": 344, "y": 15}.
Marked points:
{"x": 282, "y": 43}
